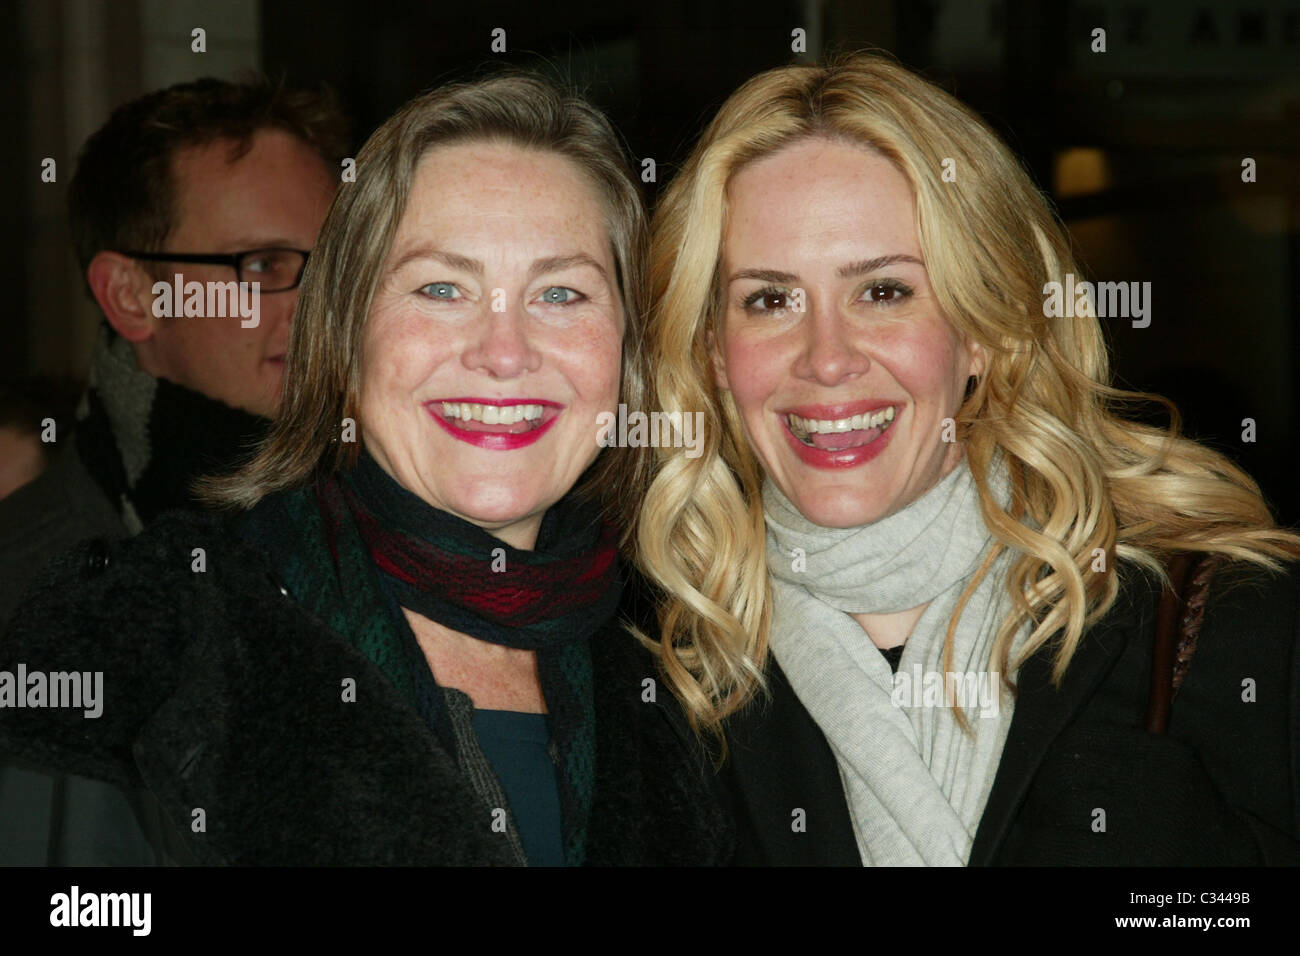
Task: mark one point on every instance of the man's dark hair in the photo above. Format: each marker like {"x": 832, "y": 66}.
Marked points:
{"x": 122, "y": 195}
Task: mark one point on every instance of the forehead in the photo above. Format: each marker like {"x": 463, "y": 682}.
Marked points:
{"x": 273, "y": 187}
{"x": 821, "y": 190}
{"x": 484, "y": 190}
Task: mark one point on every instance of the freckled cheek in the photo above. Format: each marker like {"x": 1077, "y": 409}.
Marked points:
{"x": 605, "y": 390}
{"x": 591, "y": 359}
{"x": 930, "y": 388}
{"x": 401, "y": 356}
{"x": 756, "y": 372}
{"x": 384, "y": 381}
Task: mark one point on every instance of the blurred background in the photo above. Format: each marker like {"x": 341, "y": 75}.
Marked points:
{"x": 1140, "y": 147}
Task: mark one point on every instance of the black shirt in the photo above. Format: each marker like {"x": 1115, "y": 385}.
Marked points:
{"x": 517, "y": 746}
{"x": 893, "y": 655}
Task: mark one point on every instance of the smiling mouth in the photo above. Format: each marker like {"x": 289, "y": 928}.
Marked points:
{"x": 510, "y": 419}
{"x": 501, "y": 424}
{"x": 841, "y": 433}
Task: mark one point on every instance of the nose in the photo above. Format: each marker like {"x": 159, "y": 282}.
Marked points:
{"x": 502, "y": 348}
{"x": 831, "y": 354}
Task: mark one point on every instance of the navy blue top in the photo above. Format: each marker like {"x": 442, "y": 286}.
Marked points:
{"x": 516, "y": 745}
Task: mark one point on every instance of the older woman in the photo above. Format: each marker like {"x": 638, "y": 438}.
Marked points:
{"x": 403, "y": 649}
{"x": 913, "y": 468}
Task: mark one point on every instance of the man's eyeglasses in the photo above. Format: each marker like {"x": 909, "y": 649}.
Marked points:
{"x": 278, "y": 270}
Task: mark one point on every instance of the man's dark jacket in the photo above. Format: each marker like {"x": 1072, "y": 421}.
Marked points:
{"x": 42, "y": 519}
{"x": 1080, "y": 783}
{"x": 225, "y": 726}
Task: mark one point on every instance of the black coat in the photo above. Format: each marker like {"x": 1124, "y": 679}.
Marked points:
{"x": 222, "y": 694}
{"x": 47, "y": 516}
{"x": 1221, "y": 788}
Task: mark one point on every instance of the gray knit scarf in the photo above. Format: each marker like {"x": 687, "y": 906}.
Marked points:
{"x": 916, "y": 784}
{"x": 144, "y": 440}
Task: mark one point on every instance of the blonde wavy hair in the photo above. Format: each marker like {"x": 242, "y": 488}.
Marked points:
{"x": 1084, "y": 478}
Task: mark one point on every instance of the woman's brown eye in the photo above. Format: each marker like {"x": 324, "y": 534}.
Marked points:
{"x": 774, "y": 300}
{"x": 882, "y": 293}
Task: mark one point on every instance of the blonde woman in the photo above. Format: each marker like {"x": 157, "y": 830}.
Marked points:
{"x": 915, "y": 577}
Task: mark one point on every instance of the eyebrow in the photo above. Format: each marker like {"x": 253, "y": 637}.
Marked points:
{"x": 859, "y": 268}
{"x": 559, "y": 263}
{"x": 475, "y": 267}
{"x": 864, "y": 266}
{"x": 451, "y": 259}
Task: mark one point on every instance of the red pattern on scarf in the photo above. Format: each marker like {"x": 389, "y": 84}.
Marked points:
{"x": 523, "y": 594}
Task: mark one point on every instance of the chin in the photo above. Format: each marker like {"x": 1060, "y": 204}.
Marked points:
{"x": 499, "y": 506}
{"x": 839, "y": 510}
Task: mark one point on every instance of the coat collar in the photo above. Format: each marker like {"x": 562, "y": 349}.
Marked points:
{"x": 1042, "y": 710}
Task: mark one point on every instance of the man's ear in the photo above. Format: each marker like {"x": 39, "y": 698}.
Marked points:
{"x": 719, "y": 361}
{"x": 124, "y": 292}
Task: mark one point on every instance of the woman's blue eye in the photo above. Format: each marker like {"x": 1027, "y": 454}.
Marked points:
{"x": 440, "y": 290}
{"x": 559, "y": 295}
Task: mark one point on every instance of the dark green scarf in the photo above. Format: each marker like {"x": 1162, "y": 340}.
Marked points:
{"x": 344, "y": 529}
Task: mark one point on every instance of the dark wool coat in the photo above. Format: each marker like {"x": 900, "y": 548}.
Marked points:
{"x": 222, "y": 694}
{"x": 45, "y": 517}
{"x": 1221, "y": 788}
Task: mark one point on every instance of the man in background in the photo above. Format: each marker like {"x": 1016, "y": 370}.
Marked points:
{"x": 212, "y": 182}
{"x": 217, "y": 183}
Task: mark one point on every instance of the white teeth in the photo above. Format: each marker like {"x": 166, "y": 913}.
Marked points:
{"x": 823, "y": 426}
{"x": 492, "y": 414}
